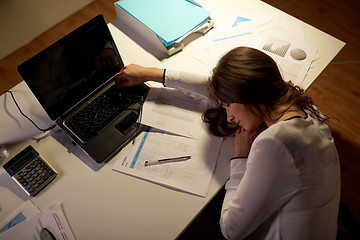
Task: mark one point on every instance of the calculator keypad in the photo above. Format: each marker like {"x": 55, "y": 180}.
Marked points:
{"x": 35, "y": 176}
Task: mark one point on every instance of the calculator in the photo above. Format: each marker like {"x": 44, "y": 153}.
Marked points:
{"x": 30, "y": 171}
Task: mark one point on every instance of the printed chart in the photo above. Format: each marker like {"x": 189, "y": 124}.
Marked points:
{"x": 276, "y": 46}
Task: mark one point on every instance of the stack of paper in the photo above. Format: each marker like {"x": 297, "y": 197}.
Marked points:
{"x": 170, "y": 20}
{"x": 278, "y": 36}
{"x": 27, "y": 221}
{"x": 192, "y": 176}
{"x": 176, "y": 130}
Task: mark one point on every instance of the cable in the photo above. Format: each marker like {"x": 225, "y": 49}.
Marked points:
{"x": 40, "y": 129}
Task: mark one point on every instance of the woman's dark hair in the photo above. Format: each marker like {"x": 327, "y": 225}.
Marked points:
{"x": 249, "y": 76}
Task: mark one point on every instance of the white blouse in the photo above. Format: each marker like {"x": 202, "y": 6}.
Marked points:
{"x": 288, "y": 187}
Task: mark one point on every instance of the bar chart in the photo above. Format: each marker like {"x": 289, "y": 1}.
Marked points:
{"x": 276, "y": 46}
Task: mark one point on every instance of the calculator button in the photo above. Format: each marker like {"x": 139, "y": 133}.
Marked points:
{"x": 34, "y": 176}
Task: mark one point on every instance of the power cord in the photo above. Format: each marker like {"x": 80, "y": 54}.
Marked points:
{"x": 17, "y": 105}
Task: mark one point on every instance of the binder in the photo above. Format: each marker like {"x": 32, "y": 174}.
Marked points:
{"x": 163, "y": 24}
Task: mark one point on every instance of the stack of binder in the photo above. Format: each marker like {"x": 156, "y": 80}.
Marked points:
{"x": 163, "y": 24}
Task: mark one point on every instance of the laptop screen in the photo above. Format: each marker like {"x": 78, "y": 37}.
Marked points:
{"x": 66, "y": 72}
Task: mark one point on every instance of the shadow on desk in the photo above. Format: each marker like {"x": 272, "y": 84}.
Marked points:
{"x": 7, "y": 182}
{"x": 206, "y": 225}
{"x": 72, "y": 148}
{"x": 146, "y": 44}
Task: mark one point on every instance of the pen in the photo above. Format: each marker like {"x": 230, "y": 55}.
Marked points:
{"x": 166, "y": 160}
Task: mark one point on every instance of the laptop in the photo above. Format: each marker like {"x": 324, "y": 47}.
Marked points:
{"x": 73, "y": 81}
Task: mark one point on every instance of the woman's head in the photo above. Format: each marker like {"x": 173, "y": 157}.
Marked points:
{"x": 250, "y": 77}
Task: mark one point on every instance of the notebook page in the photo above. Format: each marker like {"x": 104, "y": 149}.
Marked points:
{"x": 192, "y": 176}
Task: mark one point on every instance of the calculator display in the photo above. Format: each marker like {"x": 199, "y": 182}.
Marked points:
{"x": 23, "y": 160}
{"x": 30, "y": 171}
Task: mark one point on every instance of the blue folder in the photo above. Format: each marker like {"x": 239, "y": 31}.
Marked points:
{"x": 168, "y": 19}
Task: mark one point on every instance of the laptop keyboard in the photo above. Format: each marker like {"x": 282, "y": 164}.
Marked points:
{"x": 97, "y": 114}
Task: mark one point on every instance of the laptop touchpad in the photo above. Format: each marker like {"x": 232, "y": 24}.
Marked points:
{"x": 124, "y": 126}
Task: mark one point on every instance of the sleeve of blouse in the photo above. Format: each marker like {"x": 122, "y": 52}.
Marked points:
{"x": 191, "y": 84}
{"x": 252, "y": 195}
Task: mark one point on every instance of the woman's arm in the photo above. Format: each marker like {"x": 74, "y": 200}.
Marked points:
{"x": 254, "y": 194}
{"x": 133, "y": 75}
{"x": 191, "y": 84}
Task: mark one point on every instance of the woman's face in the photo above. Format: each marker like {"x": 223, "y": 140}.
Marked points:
{"x": 244, "y": 115}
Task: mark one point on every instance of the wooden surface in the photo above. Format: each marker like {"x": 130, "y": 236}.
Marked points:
{"x": 9, "y": 76}
{"x": 336, "y": 91}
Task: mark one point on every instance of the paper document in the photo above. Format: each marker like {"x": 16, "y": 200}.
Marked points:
{"x": 171, "y": 110}
{"x": 280, "y": 37}
{"x": 192, "y": 175}
{"x": 51, "y": 218}
{"x": 293, "y": 56}
{"x": 25, "y": 211}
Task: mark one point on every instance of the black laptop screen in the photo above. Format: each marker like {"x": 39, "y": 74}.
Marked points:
{"x": 66, "y": 72}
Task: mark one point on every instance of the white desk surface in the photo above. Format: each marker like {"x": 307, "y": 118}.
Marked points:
{"x": 107, "y": 204}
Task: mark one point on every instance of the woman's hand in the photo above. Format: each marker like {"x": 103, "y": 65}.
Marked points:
{"x": 243, "y": 142}
{"x": 133, "y": 74}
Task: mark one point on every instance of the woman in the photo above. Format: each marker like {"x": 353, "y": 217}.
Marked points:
{"x": 285, "y": 175}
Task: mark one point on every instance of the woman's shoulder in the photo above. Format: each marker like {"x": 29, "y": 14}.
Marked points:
{"x": 296, "y": 132}
{"x": 282, "y": 131}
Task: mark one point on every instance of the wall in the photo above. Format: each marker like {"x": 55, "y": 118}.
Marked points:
{"x": 23, "y": 20}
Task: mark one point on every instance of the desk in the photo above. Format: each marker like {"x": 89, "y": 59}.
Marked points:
{"x": 109, "y": 205}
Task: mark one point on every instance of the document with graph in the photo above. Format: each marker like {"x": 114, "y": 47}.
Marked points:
{"x": 278, "y": 36}
{"x": 293, "y": 56}
{"x": 191, "y": 175}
